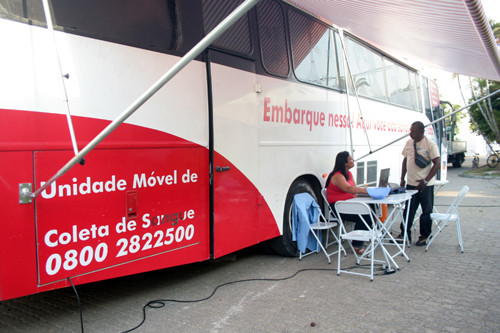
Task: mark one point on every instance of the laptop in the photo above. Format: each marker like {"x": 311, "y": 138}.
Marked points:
{"x": 383, "y": 179}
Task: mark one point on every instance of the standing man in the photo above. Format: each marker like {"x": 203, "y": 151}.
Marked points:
{"x": 418, "y": 153}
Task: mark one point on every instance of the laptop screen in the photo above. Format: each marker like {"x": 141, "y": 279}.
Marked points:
{"x": 383, "y": 179}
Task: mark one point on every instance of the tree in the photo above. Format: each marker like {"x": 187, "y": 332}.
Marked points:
{"x": 486, "y": 114}
{"x": 451, "y": 122}
{"x": 496, "y": 30}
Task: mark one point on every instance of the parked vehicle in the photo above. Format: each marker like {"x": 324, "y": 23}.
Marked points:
{"x": 208, "y": 165}
{"x": 456, "y": 149}
{"x": 456, "y": 152}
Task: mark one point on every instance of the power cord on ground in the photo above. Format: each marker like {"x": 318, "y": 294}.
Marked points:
{"x": 159, "y": 303}
{"x": 79, "y": 305}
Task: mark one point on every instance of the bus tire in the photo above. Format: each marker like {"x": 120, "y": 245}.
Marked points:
{"x": 284, "y": 245}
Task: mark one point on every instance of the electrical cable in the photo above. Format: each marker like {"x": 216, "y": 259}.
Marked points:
{"x": 79, "y": 305}
{"x": 159, "y": 303}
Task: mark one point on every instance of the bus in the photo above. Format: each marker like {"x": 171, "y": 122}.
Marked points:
{"x": 209, "y": 164}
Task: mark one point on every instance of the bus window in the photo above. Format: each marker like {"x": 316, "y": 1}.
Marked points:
{"x": 26, "y": 11}
{"x": 128, "y": 22}
{"x": 360, "y": 173}
{"x": 416, "y": 91}
{"x": 367, "y": 70}
{"x": 313, "y": 51}
{"x": 371, "y": 173}
{"x": 427, "y": 98}
{"x": 272, "y": 38}
{"x": 398, "y": 84}
{"x": 339, "y": 60}
{"x": 237, "y": 37}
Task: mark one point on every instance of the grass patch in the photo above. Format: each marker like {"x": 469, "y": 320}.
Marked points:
{"x": 484, "y": 171}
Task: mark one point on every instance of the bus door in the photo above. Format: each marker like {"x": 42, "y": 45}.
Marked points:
{"x": 237, "y": 202}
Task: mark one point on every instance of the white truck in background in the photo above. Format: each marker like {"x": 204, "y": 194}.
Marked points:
{"x": 456, "y": 152}
{"x": 456, "y": 149}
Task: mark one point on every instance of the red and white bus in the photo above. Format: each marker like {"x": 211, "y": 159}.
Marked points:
{"x": 209, "y": 164}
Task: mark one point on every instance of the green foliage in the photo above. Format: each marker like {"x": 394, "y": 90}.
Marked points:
{"x": 492, "y": 104}
{"x": 495, "y": 26}
{"x": 451, "y": 122}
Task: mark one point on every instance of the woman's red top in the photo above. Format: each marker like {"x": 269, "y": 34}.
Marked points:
{"x": 334, "y": 193}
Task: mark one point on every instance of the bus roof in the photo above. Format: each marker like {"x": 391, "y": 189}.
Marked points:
{"x": 452, "y": 35}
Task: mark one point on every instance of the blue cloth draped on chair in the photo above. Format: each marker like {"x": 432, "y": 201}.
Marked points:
{"x": 304, "y": 212}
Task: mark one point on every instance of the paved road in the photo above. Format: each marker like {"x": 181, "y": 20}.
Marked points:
{"x": 442, "y": 290}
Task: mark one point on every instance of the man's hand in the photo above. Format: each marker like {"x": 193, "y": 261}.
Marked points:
{"x": 421, "y": 185}
{"x": 403, "y": 183}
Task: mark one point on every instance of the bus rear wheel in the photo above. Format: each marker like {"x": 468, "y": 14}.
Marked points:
{"x": 284, "y": 245}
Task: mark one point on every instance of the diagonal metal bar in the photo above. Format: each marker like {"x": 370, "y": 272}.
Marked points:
{"x": 50, "y": 29}
{"x": 431, "y": 123}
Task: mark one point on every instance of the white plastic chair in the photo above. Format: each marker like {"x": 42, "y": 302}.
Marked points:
{"x": 332, "y": 217}
{"x": 372, "y": 235}
{"x": 316, "y": 228}
{"x": 438, "y": 184}
{"x": 451, "y": 215}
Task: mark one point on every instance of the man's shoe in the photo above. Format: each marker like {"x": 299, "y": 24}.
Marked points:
{"x": 422, "y": 241}
{"x": 400, "y": 237}
{"x": 359, "y": 250}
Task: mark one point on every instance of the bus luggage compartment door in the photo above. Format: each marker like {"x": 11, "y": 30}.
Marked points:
{"x": 125, "y": 211}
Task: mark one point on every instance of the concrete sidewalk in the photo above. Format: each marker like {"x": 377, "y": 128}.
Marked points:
{"x": 442, "y": 290}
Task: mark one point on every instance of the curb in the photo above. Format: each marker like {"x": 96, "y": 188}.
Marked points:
{"x": 478, "y": 177}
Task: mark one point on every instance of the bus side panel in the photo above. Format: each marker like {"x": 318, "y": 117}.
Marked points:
{"x": 242, "y": 216}
{"x": 119, "y": 208}
{"x": 97, "y": 197}
{"x": 289, "y": 150}
{"x": 17, "y": 236}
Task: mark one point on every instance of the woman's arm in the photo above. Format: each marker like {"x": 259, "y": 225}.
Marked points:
{"x": 339, "y": 180}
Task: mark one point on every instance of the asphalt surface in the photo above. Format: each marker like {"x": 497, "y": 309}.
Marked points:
{"x": 442, "y": 290}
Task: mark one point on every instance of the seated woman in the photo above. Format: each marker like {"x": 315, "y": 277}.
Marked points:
{"x": 340, "y": 186}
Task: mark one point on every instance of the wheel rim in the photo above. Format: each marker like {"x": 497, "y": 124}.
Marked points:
{"x": 492, "y": 161}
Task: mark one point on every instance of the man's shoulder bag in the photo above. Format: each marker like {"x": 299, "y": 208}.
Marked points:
{"x": 420, "y": 161}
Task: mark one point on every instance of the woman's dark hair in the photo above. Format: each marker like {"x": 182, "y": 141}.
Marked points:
{"x": 340, "y": 162}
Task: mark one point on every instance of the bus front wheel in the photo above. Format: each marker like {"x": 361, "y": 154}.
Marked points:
{"x": 284, "y": 245}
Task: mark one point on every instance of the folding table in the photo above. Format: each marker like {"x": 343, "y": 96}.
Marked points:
{"x": 397, "y": 201}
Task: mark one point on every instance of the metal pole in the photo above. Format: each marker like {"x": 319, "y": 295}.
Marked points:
{"x": 470, "y": 115}
{"x": 355, "y": 89}
{"x": 435, "y": 121}
{"x": 346, "y": 66}
{"x": 193, "y": 53}
{"x": 50, "y": 28}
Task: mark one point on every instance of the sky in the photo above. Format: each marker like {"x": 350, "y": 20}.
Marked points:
{"x": 492, "y": 9}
